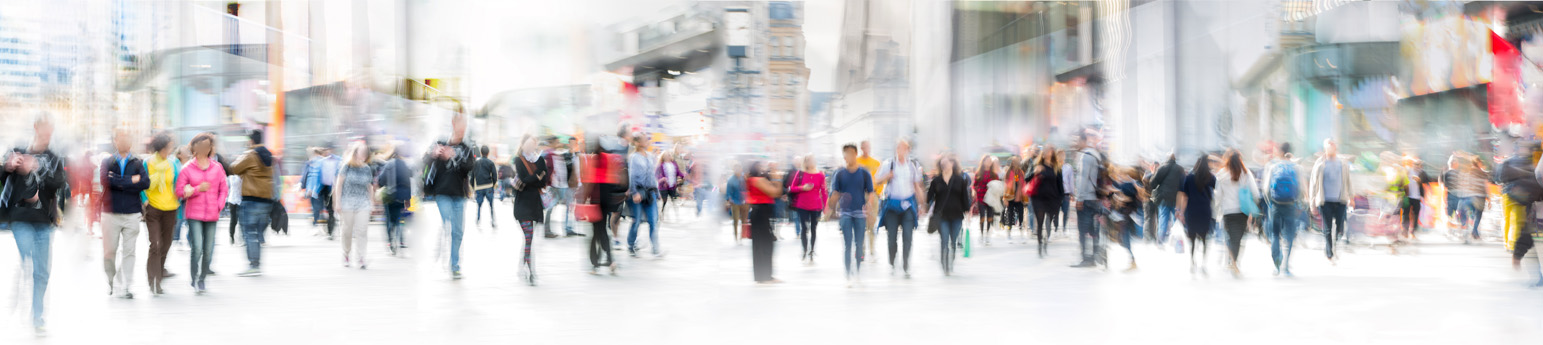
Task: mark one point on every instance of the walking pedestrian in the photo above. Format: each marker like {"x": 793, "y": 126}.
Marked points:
{"x": 900, "y": 202}
{"x": 1237, "y": 196}
{"x": 603, "y": 185}
{"x": 1285, "y": 194}
{"x": 1194, "y": 201}
{"x": 125, "y": 177}
{"x": 1472, "y": 190}
{"x": 531, "y": 177}
{"x": 484, "y": 176}
{"x": 255, "y": 166}
{"x": 734, "y": 199}
{"x": 233, "y": 202}
{"x": 396, "y": 181}
{"x": 1520, "y": 189}
{"x": 1091, "y": 170}
{"x": 1047, "y": 195}
{"x": 867, "y": 161}
{"x": 671, "y": 176}
{"x": 1125, "y": 200}
{"x": 565, "y": 179}
{"x": 985, "y": 173}
{"x": 810, "y": 184}
{"x": 949, "y": 197}
{"x": 1165, "y": 188}
{"x": 322, "y": 174}
{"x": 449, "y": 164}
{"x": 644, "y": 192}
{"x": 33, "y": 178}
{"x": 160, "y": 209}
{"x": 1068, "y": 182}
{"x": 1329, "y": 192}
{"x": 354, "y": 192}
{"x": 1015, "y": 180}
{"x": 760, "y": 194}
{"x": 202, "y": 188}
{"x": 852, "y": 192}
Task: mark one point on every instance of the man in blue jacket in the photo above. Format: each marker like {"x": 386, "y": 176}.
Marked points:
{"x": 125, "y": 178}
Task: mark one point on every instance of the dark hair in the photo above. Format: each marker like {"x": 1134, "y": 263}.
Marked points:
{"x": 757, "y": 169}
{"x": 948, "y": 157}
{"x": 202, "y": 137}
{"x": 484, "y": 150}
{"x": 1234, "y": 163}
{"x": 849, "y": 146}
{"x": 160, "y": 142}
{"x": 256, "y": 135}
{"x": 1285, "y": 148}
{"x": 1202, "y": 171}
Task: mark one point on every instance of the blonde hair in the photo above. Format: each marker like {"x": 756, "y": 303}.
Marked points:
{"x": 353, "y": 155}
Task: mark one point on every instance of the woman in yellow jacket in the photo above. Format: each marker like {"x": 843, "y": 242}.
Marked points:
{"x": 161, "y": 209}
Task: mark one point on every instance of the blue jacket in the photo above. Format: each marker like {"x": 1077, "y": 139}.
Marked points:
{"x": 123, "y": 195}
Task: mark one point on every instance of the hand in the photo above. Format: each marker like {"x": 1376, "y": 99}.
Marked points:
{"x": 34, "y": 197}
{"x": 637, "y": 197}
{"x": 1078, "y": 205}
{"x": 187, "y": 190}
{"x": 203, "y": 187}
{"x": 134, "y": 179}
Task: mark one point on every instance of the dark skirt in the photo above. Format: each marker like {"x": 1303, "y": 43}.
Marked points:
{"x": 761, "y": 239}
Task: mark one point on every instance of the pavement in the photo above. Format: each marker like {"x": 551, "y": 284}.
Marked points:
{"x": 701, "y": 291}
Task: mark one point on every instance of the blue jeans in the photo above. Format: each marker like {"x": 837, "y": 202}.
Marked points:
{"x": 201, "y": 236}
{"x": 1087, "y": 229}
{"x": 900, "y": 224}
{"x": 641, "y": 213}
{"x": 701, "y": 193}
{"x": 33, "y": 241}
{"x": 1469, "y": 211}
{"x": 1165, "y": 217}
{"x": 1282, "y": 230}
{"x": 485, "y": 194}
{"x": 254, "y": 220}
{"x": 852, "y": 229}
{"x": 394, "y": 223}
{"x": 561, "y": 197}
{"x": 948, "y": 236}
{"x": 182, "y": 221}
{"x": 453, "y": 210}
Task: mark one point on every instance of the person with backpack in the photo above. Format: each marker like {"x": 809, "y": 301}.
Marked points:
{"x": 900, "y": 205}
{"x": 1091, "y": 175}
{"x": 1285, "y": 193}
{"x": 602, "y": 188}
{"x": 321, "y": 174}
{"x": 1194, "y": 201}
{"x": 1329, "y": 192}
{"x": 484, "y": 175}
{"x": 1521, "y": 189}
{"x": 395, "y": 182}
{"x": 1165, "y": 189}
{"x": 447, "y": 166}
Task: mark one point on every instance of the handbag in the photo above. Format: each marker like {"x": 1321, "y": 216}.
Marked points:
{"x": 1246, "y": 202}
{"x": 547, "y": 201}
{"x": 586, "y": 212}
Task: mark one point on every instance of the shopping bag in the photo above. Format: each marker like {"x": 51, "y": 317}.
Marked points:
{"x": 967, "y": 243}
{"x": 586, "y": 212}
{"x": 745, "y": 231}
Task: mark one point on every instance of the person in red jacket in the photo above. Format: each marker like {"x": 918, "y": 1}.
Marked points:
{"x": 984, "y": 174}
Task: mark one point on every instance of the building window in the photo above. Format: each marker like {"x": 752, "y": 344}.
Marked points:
{"x": 773, "y": 43}
{"x": 781, "y": 10}
{"x": 787, "y": 46}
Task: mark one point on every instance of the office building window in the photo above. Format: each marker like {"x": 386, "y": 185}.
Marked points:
{"x": 781, "y": 10}
{"x": 773, "y": 43}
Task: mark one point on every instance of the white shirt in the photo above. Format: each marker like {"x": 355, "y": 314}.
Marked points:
{"x": 233, "y": 182}
{"x": 1225, "y": 196}
{"x": 897, "y": 188}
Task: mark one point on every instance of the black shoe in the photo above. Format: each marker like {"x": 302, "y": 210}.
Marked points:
{"x": 1084, "y": 264}
{"x": 573, "y": 234}
{"x": 551, "y": 235}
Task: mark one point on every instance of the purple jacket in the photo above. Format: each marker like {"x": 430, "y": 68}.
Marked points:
{"x": 672, "y": 181}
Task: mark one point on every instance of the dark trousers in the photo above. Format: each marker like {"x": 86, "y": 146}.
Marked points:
{"x": 160, "y": 224}
{"x": 235, "y": 211}
{"x": 1235, "y": 224}
{"x": 485, "y": 194}
{"x": 1044, "y": 213}
{"x": 599, "y": 238}
{"x": 325, "y": 196}
{"x": 1087, "y": 229}
{"x": 900, "y": 224}
{"x": 394, "y": 223}
{"x": 1411, "y": 215}
{"x": 810, "y": 220}
{"x": 1333, "y": 225}
{"x": 761, "y": 239}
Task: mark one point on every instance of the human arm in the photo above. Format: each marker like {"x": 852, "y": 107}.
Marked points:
{"x": 767, "y": 187}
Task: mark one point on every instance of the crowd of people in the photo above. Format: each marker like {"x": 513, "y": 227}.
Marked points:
{"x": 605, "y": 177}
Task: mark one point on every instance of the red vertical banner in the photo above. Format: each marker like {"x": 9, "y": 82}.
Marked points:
{"x": 1504, "y": 87}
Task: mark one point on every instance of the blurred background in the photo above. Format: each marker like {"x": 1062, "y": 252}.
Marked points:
{"x": 784, "y": 78}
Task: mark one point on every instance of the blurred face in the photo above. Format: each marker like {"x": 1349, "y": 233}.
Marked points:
{"x": 866, "y": 148}
{"x": 121, "y": 142}
{"x": 201, "y": 148}
{"x": 849, "y": 156}
{"x": 809, "y": 163}
{"x": 903, "y": 149}
{"x": 946, "y": 166}
{"x": 45, "y": 130}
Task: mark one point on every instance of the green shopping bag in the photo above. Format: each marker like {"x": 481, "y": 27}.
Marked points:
{"x": 967, "y": 243}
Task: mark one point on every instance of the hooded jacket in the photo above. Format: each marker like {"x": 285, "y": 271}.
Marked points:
{"x": 255, "y": 167}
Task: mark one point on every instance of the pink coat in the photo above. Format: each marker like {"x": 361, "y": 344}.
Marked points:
{"x": 812, "y": 200}
{"x": 205, "y": 205}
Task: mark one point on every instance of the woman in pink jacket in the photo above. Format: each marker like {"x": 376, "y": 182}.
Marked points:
{"x": 809, "y": 195}
{"x": 201, "y": 187}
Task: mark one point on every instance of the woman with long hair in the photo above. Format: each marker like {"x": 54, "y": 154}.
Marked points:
{"x": 670, "y": 178}
{"x": 1195, "y": 206}
{"x": 203, "y": 192}
{"x": 760, "y": 194}
{"x": 531, "y": 176}
{"x": 1013, "y": 201}
{"x": 1047, "y": 196}
{"x": 984, "y": 174}
{"x": 1231, "y": 191}
{"x": 354, "y": 194}
{"x": 810, "y": 184}
{"x": 949, "y": 195}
